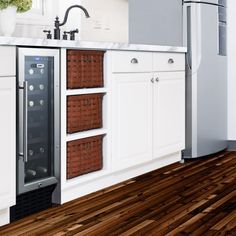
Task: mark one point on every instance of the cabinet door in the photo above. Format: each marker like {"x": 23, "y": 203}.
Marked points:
{"x": 7, "y": 142}
{"x": 131, "y": 119}
{"x": 8, "y": 61}
{"x": 169, "y": 113}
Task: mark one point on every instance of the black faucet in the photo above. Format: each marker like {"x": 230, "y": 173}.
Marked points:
{"x": 57, "y": 31}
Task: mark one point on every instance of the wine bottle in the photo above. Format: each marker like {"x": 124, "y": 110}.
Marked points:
{"x": 41, "y": 102}
{"x": 31, "y": 71}
{"x": 31, "y": 88}
{"x": 30, "y": 173}
{"x": 31, "y": 152}
{"x": 41, "y": 87}
{"x": 42, "y": 150}
{"x": 31, "y": 103}
{"x": 41, "y": 171}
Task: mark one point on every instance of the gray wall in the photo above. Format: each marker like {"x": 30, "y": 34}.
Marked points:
{"x": 156, "y": 22}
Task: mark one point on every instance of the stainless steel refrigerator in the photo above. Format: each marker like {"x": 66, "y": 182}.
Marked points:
{"x": 156, "y": 22}
{"x": 205, "y": 30}
{"x": 202, "y": 27}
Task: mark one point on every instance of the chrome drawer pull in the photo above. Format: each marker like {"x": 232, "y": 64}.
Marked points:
{"x": 171, "y": 61}
{"x": 134, "y": 61}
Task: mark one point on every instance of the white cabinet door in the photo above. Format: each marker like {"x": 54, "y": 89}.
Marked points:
{"x": 7, "y": 141}
{"x": 132, "y": 119}
{"x": 169, "y": 113}
{"x": 8, "y": 61}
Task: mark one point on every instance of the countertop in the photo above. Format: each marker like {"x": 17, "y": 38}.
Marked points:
{"x": 88, "y": 45}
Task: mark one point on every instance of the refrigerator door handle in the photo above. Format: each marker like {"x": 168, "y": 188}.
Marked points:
{"x": 25, "y": 121}
{"x": 194, "y": 38}
{"x": 206, "y": 3}
{"x": 199, "y": 36}
{"x": 188, "y": 26}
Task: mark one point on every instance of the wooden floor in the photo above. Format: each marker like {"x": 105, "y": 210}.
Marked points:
{"x": 197, "y": 198}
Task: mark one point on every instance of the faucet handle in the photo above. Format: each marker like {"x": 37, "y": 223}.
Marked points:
{"x": 72, "y": 34}
{"x": 65, "y": 36}
{"x": 48, "y": 33}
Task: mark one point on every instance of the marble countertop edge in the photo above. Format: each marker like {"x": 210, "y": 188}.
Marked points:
{"x": 34, "y": 42}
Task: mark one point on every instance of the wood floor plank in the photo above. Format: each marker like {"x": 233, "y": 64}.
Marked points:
{"x": 57, "y": 225}
{"x": 194, "y": 198}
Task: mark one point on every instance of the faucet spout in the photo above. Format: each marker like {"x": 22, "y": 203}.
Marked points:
{"x": 57, "y": 30}
{"x": 68, "y": 10}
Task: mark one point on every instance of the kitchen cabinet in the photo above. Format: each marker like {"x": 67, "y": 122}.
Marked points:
{"x": 168, "y": 113}
{"x": 148, "y": 114}
{"x": 8, "y": 61}
{"x": 132, "y": 119}
{"x": 7, "y": 141}
{"x": 143, "y": 119}
{"x": 71, "y": 187}
{"x": 8, "y": 131}
{"x": 135, "y": 62}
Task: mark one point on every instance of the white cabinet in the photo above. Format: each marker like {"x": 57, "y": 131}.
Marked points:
{"x": 143, "y": 119}
{"x": 169, "y": 113}
{"x": 132, "y": 119}
{"x": 168, "y": 61}
{"x": 8, "y": 131}
{"x": 148, "y": 109}
{"x": 8, "y": 61}
{"x": 131, "y": 62}
{"x": 7, "y": 141}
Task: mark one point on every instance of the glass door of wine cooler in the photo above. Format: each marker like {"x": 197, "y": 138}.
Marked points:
{"x": 38, "y": 140}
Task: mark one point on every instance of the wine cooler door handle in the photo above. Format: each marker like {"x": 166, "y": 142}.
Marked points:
{"x": 25, "y": 122}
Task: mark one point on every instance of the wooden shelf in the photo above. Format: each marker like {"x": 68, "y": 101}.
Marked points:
{"x": 85, "y": 134}
{"x": 70, "y": 92}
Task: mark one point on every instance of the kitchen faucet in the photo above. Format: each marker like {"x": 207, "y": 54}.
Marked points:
{"x": 57, "y": 30}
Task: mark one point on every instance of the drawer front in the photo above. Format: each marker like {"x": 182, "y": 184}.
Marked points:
{"x": 131, "y": 61}
{"x": 169, "y": 62}
{"x": 8, "y": 61}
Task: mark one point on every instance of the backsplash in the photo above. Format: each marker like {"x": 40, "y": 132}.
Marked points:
{"x": 30, "y": 31}
{"x": 108, "y": 22}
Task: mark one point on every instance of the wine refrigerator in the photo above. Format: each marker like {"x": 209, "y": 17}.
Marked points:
{"x": 38, "y": 118}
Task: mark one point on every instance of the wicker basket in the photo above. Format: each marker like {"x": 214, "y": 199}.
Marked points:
{"x": 84, "y": 156}
{"x": 84, "y": 112}
{"x": 84, "y": 69}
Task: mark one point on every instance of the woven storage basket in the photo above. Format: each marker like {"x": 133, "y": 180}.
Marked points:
{"x": 84, "y": 69}
{"x": 84, "y": 156}
{"x": 84, "y": 112}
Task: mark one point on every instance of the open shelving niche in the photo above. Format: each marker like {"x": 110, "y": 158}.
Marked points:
{"x": 65, "y": 183}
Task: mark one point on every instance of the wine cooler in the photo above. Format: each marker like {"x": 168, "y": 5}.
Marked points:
{"x": 38, "y": 130}
{"x": 38, "y": 119}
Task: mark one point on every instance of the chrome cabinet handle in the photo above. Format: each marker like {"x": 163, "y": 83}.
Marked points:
{"x": 134, "y": 61}
{"x": 25, "y": 121}
{"x": 152, "y": 80}
{"x": 157, "y": 79}
{"x": 171, "y": 61}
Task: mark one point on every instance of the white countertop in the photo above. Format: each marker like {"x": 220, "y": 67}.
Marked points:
{"x": 88, "y": 45}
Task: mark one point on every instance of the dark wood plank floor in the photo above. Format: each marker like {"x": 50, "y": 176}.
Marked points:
{"x": 197, "y": 198}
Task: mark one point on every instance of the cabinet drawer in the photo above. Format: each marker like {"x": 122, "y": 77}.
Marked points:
{"x": 8, "y": 61}
{"x": 131, "y": 61}
{"x": 169, "y": 62}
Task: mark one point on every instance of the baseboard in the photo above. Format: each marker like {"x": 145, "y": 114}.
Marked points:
{"x": 111, "y": 179}
{"x": 231, "y": 145}
{"x": 4, "y": 217}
